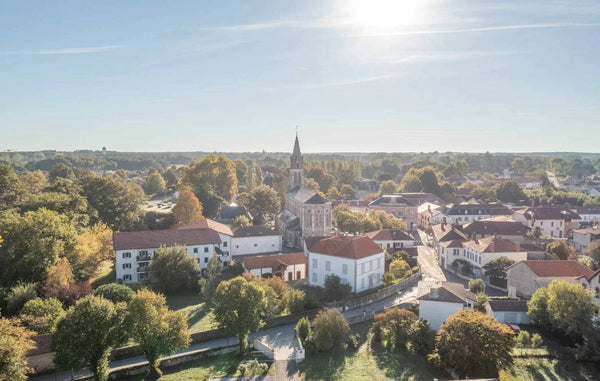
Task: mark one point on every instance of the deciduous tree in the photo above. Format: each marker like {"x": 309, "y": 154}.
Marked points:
{"x": 14, "y": 345}
{"x": 560, "y": 249}
{"x": 187, "y": 210}
{"x": 115, "y": 292}
{"x": 173, "y": 269}
{"x": 155, "y": 183}
{"x": 330, "y": 328}
{"x": 11, "y": 190}
{"x": 399, "y": 270}
{"x": 334, "y": 288}
{"x": 42, "y": 315}
{"x": 263, "y": 203}
{"x": 476, "y": 286}
{"x": 393, "y": 327}
{"x": 388, "y": 187}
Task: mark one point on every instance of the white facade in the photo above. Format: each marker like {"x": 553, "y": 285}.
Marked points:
{"x": 477, "y": 259}
{"x": 290, "y": 273}
{"x": 255, "y": 245}
{"x": 437, "y": 312}
{"x": 398, "y": 244}
{"x": 361, "y": 274}
{"x": 508, "y": 317}
{"x": 583, "y": 237}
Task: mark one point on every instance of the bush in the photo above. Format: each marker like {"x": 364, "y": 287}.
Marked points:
{"x": 18, "y": 296}
{"x": 421, "y": 338}
{"x": 303, "y": 330}
{"x": 173, "y": 269}
{"x": 523, "y": 339}
{"x": 354, "y": 341}
{"x": 42, "y": 315}
{"x": 536, "y": 341}
{"x": 253, "y": 368}
{"x": 393, "y": 327}
{"x": 294, "y": 300}
{"x": 70, "y": 294}
{"x": 334, "y": 289}
{"x": 476, "y": 286}
{"x": 329, "y": 328}
{"x": 115, "y": 292}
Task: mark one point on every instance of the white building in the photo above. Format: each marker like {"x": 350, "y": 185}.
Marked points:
{"x": 358, "y": 261}
{"x": 134, "y": 250}
{"x": 443, "y": 301}
{"x": 255, "y": 239}
{"x": 289, "y": 267}
{"x": 465, "y": 213}
{"x": 582, "y": 238}
{"x": 553, "y": 221}
{"x": 592, "y": 283}
{"x": 589, "y": 215}
{"x": 508, "y": 311}
{"x": 392, "y": 239}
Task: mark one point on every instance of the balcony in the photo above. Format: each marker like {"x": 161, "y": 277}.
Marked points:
{"x": 143, "y": 269}
{"x": 143, "y": 258}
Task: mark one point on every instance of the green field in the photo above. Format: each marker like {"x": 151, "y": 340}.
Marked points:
{"x": 200, "y": 317}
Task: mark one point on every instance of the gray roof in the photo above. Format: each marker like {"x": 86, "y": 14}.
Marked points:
{"x": 450, "y": 292}
{"x": 515, "y": 305}
{"x": 485, "y": 209}
{"x": 254, "y": 231}
{"x": 306, "y": 196}
{"x": 229, "y": 212}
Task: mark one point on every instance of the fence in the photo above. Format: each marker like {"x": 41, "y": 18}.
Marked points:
{"x": 377, "y": 296}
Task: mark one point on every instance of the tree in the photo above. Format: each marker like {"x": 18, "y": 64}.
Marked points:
{"x": 32, "y": 243}
{"x": 187, "y": 210}
{"x": 476, "y": 286}
{"x": 303, "y": 330}
{"x": 157, "y": 330}
{"x": 33, "y": 182}
{"x": 330, "y": 328}
{"x": 523, "y": 339}
{"x": 411, "y": 183}
{"x": 173, "y": 269}
{"x": 42, "y": 315}
{"x": 334, "y": 194}
{"x": 214, "y": 266}
{"x": 155, "y": 183}
{"x": 474, "y": 344}
{"x": 509, "y": 191}
{"x": 347, "y": 192}
{"x": 294, "y": 300}
{"x": 18, "y": 296}
{"x": 14, "y": 345}
{"x": 421, "y": 338}
{"x": 564, "y": 307}
{"x": 388, "y": 187}
{"x": 560, "y": 249}
{"x": 399, "y": 270}
{"x": 11, "y": 189}
{"x": 393, "y": 327}
{"x": 263, "y": 203}
{"x": 497, "y": 267}
{"x": 593, "y": 251}
{"x": 368, "y": 224}
{"x": 312, "y": 185}
{"x": 61, "y": 170}
{"x": 334, "y": 289}
{"x": 94, "y": 246}
{"x": 536, "y": 232}
{"x": 88, "y": 333}
{"x": 480, "y": 302}
{"x": 114, "y": 201}
{"x": 114, "y": 292}
{"x": 240, "y": 221}
{"x": 536, "y": 341}
{"x": 239, "y": 308}
{"x": 387, "y": 220}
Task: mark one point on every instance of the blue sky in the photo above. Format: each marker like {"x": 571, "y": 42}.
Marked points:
{"x": 354, "y": 75}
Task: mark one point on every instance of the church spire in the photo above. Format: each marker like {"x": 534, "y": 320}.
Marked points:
{"x": 296, "y": 161}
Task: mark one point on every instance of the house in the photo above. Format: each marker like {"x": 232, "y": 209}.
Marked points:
{"x": 511, "y": 230}
{"x": 443, "y": 301}
{"x": 224, "y": 231}
{"x": 429, "y": 214}
{"x": 446, "y": 232}
{"x": 480, "y": 252}
{"x": 529, "y": 183}
{"x": 404, "y": 205}
{"x": 358, "y": 261}
{"x": 581, "y": 238}
{"x": 554, "y": 221}
{"x": 392, "y": 239}
{"x": 228, "y": 213}
{"x": 134, "y": 250}
{"x": 255, "y": 239}
{"x": 289, "y": 267}
{"x": 508, "y": 311}
{"x": 592, "y": 283}
{"x": 467, "y": 212}
{"x": 590, "y": 215}
{"x": 525, "y": 277}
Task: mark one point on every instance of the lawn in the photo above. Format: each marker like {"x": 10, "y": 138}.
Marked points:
{"x": 366, "y": 363}
{"x": 104, "y": 274}
{"x": 214, "y": 366}
{"x": 534, "y": 369}
{"x": 200, "y": 317}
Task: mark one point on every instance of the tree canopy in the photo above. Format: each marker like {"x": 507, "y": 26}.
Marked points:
{"x": 187, "y": 210}
{"x": 173, "y": 269}
{"x": 14, "y": 345}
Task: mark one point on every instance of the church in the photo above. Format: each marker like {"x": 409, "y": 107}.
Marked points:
{"x": 306, "y": 213}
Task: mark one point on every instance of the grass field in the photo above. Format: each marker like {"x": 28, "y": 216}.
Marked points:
{"x": 200, "y": 317}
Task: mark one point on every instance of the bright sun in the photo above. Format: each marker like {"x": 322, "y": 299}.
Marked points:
{"x": 385, "y": 13}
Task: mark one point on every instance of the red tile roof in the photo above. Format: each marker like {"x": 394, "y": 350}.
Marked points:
{"x": 389, "y": 235}
{"x": 264, "y": 261}
{"x": 347, "y": 247}
{"x": 209, "y": 224}
{"x": 150, "y": 239}
{"x": 557, "y": 268}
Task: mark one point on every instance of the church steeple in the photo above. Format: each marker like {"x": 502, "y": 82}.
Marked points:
{"x": 296, "y": 166}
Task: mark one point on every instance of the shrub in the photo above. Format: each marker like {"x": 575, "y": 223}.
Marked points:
{"x": 536, "y": 341}
{"x": 354, "y": 341}
{"x": 421, "y": 338}
{"x": 294, "y": 300}
{"x": 334, "y": 289}
{"x": 523, "y": 339}
{"x": 115, "y": 292}
{"x": 476, "y": 286}
{"x": 393, "y": 327}
{"x": 42, "y": 315}
{"x": 253, "y": 368}
{"x": 303, "y": 330}
{"x": 329, "y": 328}
{"x": 18, "y": 296}
{"x": 173, "y": 269}
{"x": 70, "y": 294}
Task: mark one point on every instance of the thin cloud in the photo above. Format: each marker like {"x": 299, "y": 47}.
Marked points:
{"x": 450, "y": 56}
{"x": 335, "y": 83}
{"x": 82, "y": 50}
{"x": 481, "y": 29}
{"x": 282, "y": 24}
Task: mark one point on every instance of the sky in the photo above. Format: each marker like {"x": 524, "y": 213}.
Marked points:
{"x": 351, "y": 75}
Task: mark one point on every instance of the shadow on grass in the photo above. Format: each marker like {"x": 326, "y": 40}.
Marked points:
{"x": 324, "y": 366}
{"x": 402, "y": 365}
{"x": 198, "y": 314}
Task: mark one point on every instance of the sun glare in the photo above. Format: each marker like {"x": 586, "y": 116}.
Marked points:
{"x": 385, "y": 13}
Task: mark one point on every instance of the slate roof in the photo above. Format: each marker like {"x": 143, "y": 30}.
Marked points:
{"x": 450, "y": 292}
{"x": 254, "y": 231}
{"x": 209, "y": 224}
{"x": 447, "y": 232}
{"x": 493, "y": 245}
{"x": 512, "y": 305}
{"x": 156, "y": 238}
{"x": 306, "y": 196}
{"x": 390, "y": 200}
{"x": 347, "y": 247}
{"x": 550, "y": 213}
{"x": 587, "y": 209}
{"x": 389, "y": 235}
{"x": 495, "y": 227}
{"x": 276, "y": 260}
{"x": 471, "y": 209}
{"x": 421, "y": 197}
{"x": 595, "y": 230}
{"x": 557, "y": 268}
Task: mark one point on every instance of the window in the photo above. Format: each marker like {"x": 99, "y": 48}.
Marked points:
{"x": 127, "y": 277}
{"x": 256, "y": 244}
{"x": 195, "y": 250}
{"x": 552, "y": 223}
{"x": 198, "y": 260}
{"x": 370, "y": 265}
{"x": 344, "y": 268}
{"x": 126, "y": 265}
{"x": 225, "y": 244}
{"x": 362, "y": 283}
{"x": 327, "y": 266}
{"x": 314, "y": 277}
{"x": 378, "y": 262}
{"x": 127, "y": 255}
{"x": 362, "y": 268}
{"x": 237, "y": 246}
{"x": 205, "y": 259}
{"x": 206, "y": 249}
{"x": 314, "y": 263}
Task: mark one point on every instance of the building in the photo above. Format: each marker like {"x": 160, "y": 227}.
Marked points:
{"x": 134, "y": 250}
{"x": 404, "y": 205}
{"x": 480, "y": 252}
{"x": 508, "y": 311}
{"x": 581, "y": 238}
{"x": 228, "y": 213}
{"x": 466, "y": 212}
{"x": 525, "y": 277}
{"x": 529, "y": 183}
{"x": 590, "y": 215}
{"x": 365, "y": 187}
{"x": 358, "y": 261}
{"x": 592, "y": 283}
{"x": 391, "y": 239}
{"x": 443, "y": 301}
{"x": 429, "y": 214}
{"x": 510, "y": 230}
{"x": 255, "y": 239}
{"x": 554, "y": 221}
{"x": 289, "y": 267}
{"x": 306, "y": 214}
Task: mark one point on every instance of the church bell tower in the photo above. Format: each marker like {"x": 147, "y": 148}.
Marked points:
{"x": 296, "y": 167}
